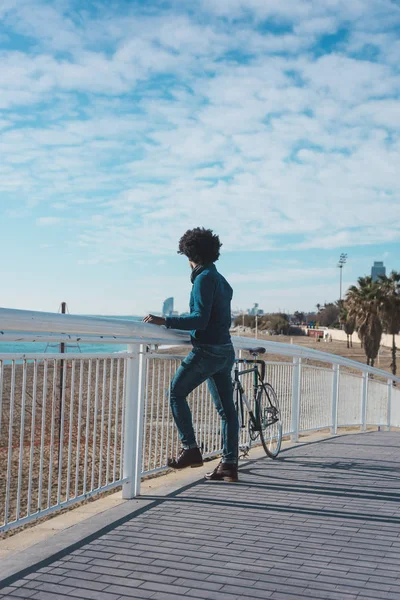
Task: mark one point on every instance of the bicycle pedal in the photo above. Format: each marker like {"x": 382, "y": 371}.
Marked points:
{"x": 244, "y": 451}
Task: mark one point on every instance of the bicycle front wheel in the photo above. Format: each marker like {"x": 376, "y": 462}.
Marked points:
{"x": 269, "y": 415}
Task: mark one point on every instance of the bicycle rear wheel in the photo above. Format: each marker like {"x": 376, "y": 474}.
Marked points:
{"x": 269, "y": 415}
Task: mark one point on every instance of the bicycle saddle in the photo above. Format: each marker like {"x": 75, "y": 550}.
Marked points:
{"x": 258, "y": 350}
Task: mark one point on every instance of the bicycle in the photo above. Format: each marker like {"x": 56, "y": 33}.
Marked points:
{"x": 264, "y": 412}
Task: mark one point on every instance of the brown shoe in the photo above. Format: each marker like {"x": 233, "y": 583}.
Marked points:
{"x": 189, "y": 457}
{"x": 224, "y": 472}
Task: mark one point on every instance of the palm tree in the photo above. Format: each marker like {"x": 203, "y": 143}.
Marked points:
{"x": 342, "y": 312}
{"x": 390, "y": 309}
{"x": 363, "y": 303}
{"x": 348, "y": 323}
{"x": 349, "y": 328}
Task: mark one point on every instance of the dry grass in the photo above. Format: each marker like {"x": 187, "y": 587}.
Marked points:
{"x": 37, "y": 433}
{"x": 335, "y": 347}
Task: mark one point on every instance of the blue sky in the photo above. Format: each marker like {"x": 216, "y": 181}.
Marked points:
{"x": 122, "y": 124}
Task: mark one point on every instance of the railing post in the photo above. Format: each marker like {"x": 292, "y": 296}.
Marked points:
{"x": 389, "y": 404}
{"x": 364, "y": 396}
{"x": 296, "y": 398}
{"x": 335, "y": 398}
{"x": 134, "y": 395}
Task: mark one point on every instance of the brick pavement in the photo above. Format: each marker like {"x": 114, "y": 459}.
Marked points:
{"x": 322, "y": 521}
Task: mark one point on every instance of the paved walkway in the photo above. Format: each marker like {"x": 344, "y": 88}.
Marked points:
{"x": 323, "y": 521}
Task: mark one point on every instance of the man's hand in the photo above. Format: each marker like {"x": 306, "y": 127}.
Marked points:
{"x": 154, "y": 320}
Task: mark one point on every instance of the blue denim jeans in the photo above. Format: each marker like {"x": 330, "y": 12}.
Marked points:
{"x": 214, "y": 364}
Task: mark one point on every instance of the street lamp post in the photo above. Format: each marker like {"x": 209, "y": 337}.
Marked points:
{"x": 341, "y": 263}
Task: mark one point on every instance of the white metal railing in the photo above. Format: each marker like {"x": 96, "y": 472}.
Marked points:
{"x": 76, "y": 425}
{"x": 61, "y": 431}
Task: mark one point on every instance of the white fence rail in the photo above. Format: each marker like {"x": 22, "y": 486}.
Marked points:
{"x": 76, "y": 425}
{"x": 61, "y": 432}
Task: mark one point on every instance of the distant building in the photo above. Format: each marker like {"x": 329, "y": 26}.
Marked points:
{"x": 255, "y": 310}
{"x": 168, "y": 307}
{"x": 377, "y": 270}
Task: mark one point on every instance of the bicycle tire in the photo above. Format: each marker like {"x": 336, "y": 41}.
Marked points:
{"x": 253, "y": 433}
{"x": 269, "y": 416}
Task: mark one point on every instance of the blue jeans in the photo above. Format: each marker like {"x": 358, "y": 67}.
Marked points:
{"x": 214, "y": 364}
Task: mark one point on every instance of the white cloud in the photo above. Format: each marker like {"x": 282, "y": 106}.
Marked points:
{"x": 346, "y": 239}
{"x": 48, "y": 221}
{"x": 260, "y": 9}
{"x": 173, "y": 130}
{"x": 282, "y": 276}
{"x": 317, "y": 25}
{"x": 348, "y": 80}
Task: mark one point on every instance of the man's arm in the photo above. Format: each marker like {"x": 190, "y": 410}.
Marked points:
{"x": 203, "y": 296}
{"x": 154, "y": 320}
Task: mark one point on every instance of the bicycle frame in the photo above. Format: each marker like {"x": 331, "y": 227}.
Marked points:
{"x": 240, "y": 393}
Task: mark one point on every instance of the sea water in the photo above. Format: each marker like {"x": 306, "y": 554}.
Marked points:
{"x": 36, "y": 347}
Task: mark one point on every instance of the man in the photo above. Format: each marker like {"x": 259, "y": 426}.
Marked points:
{"x": 212, "y": 356}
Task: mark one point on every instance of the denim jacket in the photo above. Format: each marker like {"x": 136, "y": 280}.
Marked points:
{"x": 209, "y": 320}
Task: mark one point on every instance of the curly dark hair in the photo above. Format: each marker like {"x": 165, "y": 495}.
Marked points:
{"x": 200, "y": 245}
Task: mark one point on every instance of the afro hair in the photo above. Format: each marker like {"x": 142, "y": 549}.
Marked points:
{"x": 200, "y": 245}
